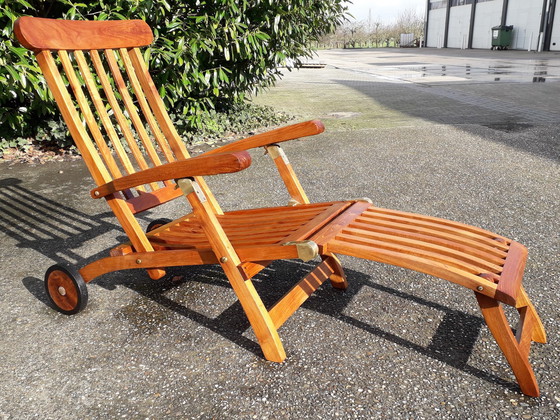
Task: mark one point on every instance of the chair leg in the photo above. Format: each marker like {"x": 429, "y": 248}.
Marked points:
{"x": 258, "y": 316}
{"x": 539, "y": 334}
{"x": 254, "y": 308}
{"x": 338, "y": 278}
{"x": 516, "y": 350}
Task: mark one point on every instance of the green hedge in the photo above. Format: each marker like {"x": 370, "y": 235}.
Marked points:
{"x": 207, "y": 55}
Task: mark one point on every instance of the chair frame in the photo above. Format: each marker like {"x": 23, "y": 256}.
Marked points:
{"x": 103, "y": 60}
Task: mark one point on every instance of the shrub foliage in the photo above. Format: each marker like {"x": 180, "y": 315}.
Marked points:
{"x": 207, "y": 55}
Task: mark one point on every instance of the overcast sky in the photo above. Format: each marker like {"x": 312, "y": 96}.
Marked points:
{"x": 384, "y": 10}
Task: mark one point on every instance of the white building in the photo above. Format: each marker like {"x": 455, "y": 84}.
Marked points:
{"x": 469, "y": 23}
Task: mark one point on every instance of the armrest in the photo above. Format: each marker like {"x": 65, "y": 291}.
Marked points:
{"x": 197, "y": 166}
{"x": 291, "y": 132}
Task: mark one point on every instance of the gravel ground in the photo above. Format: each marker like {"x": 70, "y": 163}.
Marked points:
{"x": 396, "y": 344}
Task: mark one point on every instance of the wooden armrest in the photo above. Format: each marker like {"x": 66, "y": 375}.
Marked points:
{"x": 291, "y": 132}
{"x": 197, "y": 166}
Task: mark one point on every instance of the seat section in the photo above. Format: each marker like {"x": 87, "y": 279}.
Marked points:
{"x": 475, "y": 258}
{"x": 264, "y": 226}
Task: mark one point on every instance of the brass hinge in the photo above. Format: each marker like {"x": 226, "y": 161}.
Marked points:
{"x": 307, "y": 250}
{"x": 189, "y": 186}
{"x": 275, "y": 151}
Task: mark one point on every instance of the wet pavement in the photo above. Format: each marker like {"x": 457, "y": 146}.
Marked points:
{"x": 427, "y": 66}
{"x": 396, "y": 344}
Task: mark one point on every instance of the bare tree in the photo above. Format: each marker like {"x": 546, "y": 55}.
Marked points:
{"x": 376, "y": 33}
{"x": 410, "y": 22}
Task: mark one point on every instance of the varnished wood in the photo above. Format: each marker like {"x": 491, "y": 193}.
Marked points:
{"x": 338, "y": 277}
{"x": 512, "y": 275}
{"x": 71, "y": 118}
{"x": 258, "y": 316}
{"x": 202, "y": 165}
{"x": 118, "y": 121}
{"x": 292, "y": 300}
{"x": 146, "y": 111}
{"x": 287, "y": 174}
{"x": 88, "y": 114}
{"x": 52, "y": 34}
{"x": 148, "y": 200}
{"x": 523, "y": 301}
{"x": 291, "y": 132}
{"x": 515, "y": 354}
{"x": 336, "y": 225}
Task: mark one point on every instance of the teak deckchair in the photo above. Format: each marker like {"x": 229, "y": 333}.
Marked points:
{"x": 101, "y": 84}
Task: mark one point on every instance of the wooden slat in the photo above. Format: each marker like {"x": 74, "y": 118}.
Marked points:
{"x": 258, "y": 227}
{"x": 452, "y": 242}
{"x": 157, "y": 105}
{"x": 292, "y": 300}
{"x": 318, "y": 222}
{"x": 496, "y": 247}
{"x": 165, "y": 123}
{"x": 101, "y": 111}
{"x": 88, "y": 115}
{"x": 333, "y": 228}
{"x": 436, "y": 220}
{"x": 512, "y": 275}
{"x": 81, "y": 138}
{"x": 53, "y": 34}
{"x": 148, "y": 200}
{"x": 413, "y": 262}
{"x": 441, "y": 225}
{"x": 282, "y": 209}
{"x": 409, "y": 250}
{"x": 423, "y": 246}
{"x": 144, "y": 106}
{"x": 138, "y": 124}
{"x": 119, "y": 116}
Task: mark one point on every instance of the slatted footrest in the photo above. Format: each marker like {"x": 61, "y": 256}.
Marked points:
{"x": 475, "y": 258}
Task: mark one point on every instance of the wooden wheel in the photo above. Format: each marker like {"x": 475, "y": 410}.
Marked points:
{"x": 154, "y": 224}
{"x": 66, "y": 289}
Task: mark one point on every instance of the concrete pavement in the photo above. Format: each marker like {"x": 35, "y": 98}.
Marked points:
{"x": 396, "y": 344}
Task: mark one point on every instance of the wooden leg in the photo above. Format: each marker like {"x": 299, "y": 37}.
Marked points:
{"x": 539, "y": 334}
{"x": 338, "y": 278}
{"x": 258, "y": 316}
{"x": 516, "y": 352}
{"x": 256, "y": 312}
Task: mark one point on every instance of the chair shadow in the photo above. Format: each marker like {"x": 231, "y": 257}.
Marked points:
{"x": 54, "y": 230}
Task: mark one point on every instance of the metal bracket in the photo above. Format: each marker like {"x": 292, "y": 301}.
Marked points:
{"x": 293, "y": 202}
{"x": 189, "y": 186}
{"x": 307, "y": 250}
{"x": 275, "y": 151}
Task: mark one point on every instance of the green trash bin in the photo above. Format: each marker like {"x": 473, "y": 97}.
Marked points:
{"x": 501, "y": 37}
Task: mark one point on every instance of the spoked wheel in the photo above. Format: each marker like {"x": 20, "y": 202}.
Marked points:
{"x": 66, "y": 289}
{"x": 154, "y": 224}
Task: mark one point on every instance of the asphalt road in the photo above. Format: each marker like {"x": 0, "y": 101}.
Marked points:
{"x": 409, "y": 129}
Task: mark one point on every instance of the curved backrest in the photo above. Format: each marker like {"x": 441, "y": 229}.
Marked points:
{"x": 52, "y": 34}
{"x": 102, "y": 86}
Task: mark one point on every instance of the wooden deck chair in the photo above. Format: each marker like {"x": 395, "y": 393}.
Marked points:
{"x": 101, "y": 84}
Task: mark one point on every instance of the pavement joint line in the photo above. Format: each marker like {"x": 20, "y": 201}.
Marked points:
{"x": 470, "y": 99}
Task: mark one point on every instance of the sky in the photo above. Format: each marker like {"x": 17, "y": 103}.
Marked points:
{"x": 385, "y": 11}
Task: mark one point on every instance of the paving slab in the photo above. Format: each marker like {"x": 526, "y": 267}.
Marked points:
{"x": 396, "y": 344}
